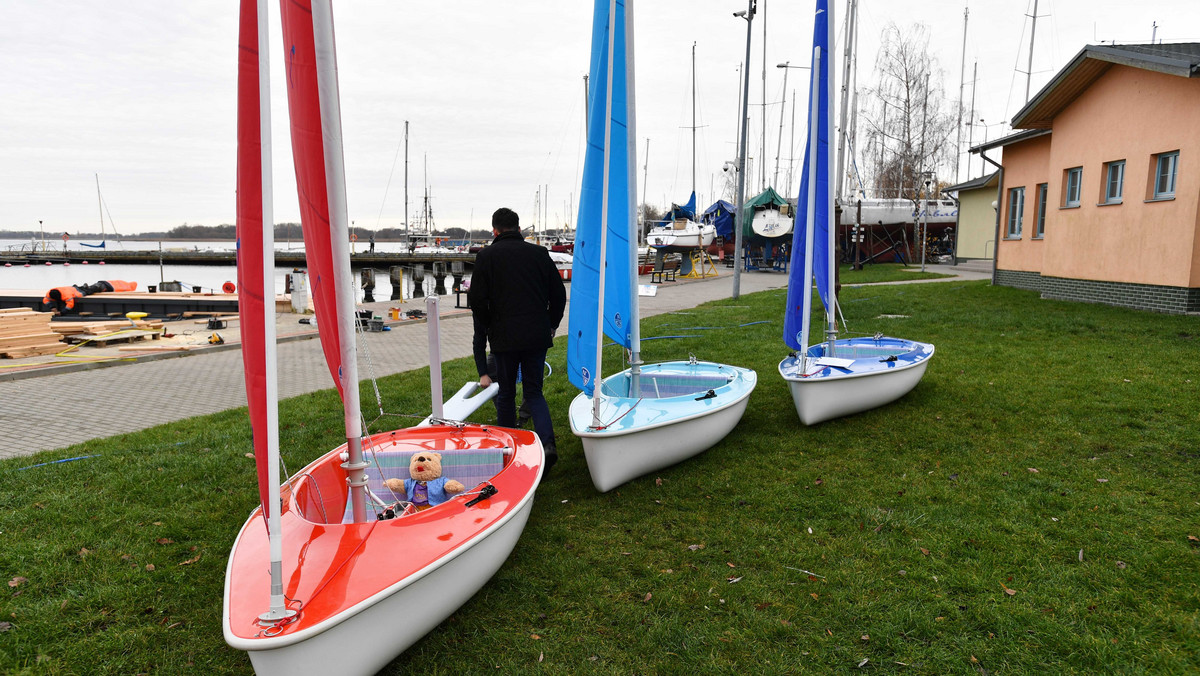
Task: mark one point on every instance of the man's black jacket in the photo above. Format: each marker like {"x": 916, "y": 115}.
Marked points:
{"x": 517, "y": 297}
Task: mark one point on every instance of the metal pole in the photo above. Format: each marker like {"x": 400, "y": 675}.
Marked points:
{"x": 782, "y": 112}
{"x": 748, "y": 15}
{"x": 762, "y": 157}
{"x": 1029, "y": 67}
{"x": 432, "y": 317}
{"x": 405, "y": 181}
{"x": 961, "y": 75}
{"x": 841, "y": 147}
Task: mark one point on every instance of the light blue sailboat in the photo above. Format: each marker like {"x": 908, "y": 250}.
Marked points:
{"x": 837, "y": 377}
{"x": 648, "y": 416}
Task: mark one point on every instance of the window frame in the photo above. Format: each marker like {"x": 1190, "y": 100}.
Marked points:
{"x": 1043, "y": 196}
{"x": 1016, "y": 217}
{"x": 1109, "y": 167}
{"x": 1068, "y": 174}
{"x": 1157, "y": 191}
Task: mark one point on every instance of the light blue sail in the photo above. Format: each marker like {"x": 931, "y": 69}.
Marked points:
{"x": 799, "y": 298}
{"x": 614, "y": 119}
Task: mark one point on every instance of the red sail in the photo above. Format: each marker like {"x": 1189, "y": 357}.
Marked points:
{"x": 253, "y": 285}
{"x": 309, "y": 152}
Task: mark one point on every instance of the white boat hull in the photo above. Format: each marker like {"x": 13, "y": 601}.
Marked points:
{"x": 655, "y": 438}
{"x": 370, "y": 637}
{"x": 837, "y": 393}
{"x": 689, "y": 235}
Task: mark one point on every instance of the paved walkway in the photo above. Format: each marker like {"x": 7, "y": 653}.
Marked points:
{"x": 131, "y": 396}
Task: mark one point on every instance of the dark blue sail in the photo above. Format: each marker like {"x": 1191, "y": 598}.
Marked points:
{"x": 799, "y": 296}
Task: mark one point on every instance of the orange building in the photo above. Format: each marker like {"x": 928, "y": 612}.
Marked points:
{"x": 1099, "y": 195}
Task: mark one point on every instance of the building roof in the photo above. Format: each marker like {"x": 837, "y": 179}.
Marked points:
{"x": 1010, "y": 139}
{"x": 973, "y": 184}
{"x": 1179, "y": 59}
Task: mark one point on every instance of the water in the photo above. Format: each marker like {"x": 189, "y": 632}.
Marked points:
{"x": 210, "y": 278}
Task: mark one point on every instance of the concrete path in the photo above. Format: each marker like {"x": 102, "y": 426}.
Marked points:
{"x": 71, "y": 405}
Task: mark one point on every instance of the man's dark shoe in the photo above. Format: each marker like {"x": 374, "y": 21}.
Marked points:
{"x": 551, "y": 458}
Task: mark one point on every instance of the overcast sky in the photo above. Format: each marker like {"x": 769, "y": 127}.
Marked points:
{"x": 142, "y": 94}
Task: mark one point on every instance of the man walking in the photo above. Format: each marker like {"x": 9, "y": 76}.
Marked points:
{"x": 517, "y": 300}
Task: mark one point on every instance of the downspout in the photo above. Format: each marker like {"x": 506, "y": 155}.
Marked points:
{"x": 999, "y": 210}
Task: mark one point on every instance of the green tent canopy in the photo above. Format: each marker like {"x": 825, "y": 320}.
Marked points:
{"x": 765, "y": 198}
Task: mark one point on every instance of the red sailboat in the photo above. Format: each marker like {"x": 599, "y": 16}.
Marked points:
{"x": 341, "y": 561}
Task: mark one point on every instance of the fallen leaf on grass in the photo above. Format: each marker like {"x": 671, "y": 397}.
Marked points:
{"x": 5, "y": 626}
{"x": 1102, "y": 481}
{"x": 1081, "y": 555}
{"x": 648, "y": 596}
{"x": 658, "y": 482}
{"x": 84, "y": 551}
{"x": 695, "y": 547}
{"x": 763, "y": 606}
{"x": 1010, "y": 592}
{"x": 17, "y": 581}
{"x": 535, "y": 637}
{"x": 150, "y": 567}
{"x": 249, "y": 455}
{"x": 785, "y": 623}
{"x": 924, "y": 551}
{"x": 814, "y": 595}
{"x": 541, "y": 656}
{"x": 1121, "y": 565}
{"x": 190, "y": 561}
{"x": 730, "y": 564}
{"x": 828, "y": 631}
{"x": 1193, "y": 538}
{"x": 734, "y": 580}
{"x": 818, "y": 482}
{"x": 865, "y": 660}
{"x": 1032, "y": 469}
{"x": 866, "y": 637}
{"x": 165, "y": 541}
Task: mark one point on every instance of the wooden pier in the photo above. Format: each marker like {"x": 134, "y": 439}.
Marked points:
{"x": 378, "y": 259}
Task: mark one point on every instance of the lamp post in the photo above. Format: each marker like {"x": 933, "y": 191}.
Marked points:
{"x": 783, "y": 109}
{"x": 748, "y": 15}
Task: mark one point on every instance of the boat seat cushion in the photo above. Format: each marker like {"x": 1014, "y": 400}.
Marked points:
{"x": 468, "y": 466}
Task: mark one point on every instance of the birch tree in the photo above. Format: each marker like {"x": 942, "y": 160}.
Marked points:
{"x": 908, "y": 119}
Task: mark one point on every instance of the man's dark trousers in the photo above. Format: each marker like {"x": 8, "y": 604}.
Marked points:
{"x": 532, "y": 364}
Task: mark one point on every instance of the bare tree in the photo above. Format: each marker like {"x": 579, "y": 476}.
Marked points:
{"x": 909, "y": 120}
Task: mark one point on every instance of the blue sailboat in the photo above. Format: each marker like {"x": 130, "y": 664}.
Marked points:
{"x": 648, "y": 416}
{"x": 837, "y": 377}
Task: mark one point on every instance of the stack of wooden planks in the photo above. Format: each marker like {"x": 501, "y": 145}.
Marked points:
{"x": 25, "y": 333}
{"x": 101, "y": 328}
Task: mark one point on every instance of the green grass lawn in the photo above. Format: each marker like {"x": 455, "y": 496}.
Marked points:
{"x": 1032, "y": 506}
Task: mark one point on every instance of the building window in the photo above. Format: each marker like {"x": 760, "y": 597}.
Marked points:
{"x": 1016, "y": 207}
{"x": 1166, "y": 165}
{"x": 1114, "y": 181}
{"x": 1043, "y": 191}
{"x": 1074, "y": 179}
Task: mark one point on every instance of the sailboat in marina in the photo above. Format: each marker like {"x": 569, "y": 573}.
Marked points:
{"x": 103, "y": 239}
{"x": 836, "y": 377}
{"x": 648, "y": 416}
{"x": 682, "y": 230}
{"x": 345, "y": 575}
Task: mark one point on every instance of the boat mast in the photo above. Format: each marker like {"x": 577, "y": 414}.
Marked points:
{"x": 810, "y": 227}
{"x": 406, "y": 231}
{"x": 693, "y": 120}
{"x": 608, "y": 91}
{"x": 100, "y": 201}
{"x": 635, "y": 333}
{"x": 645, "y": 181}
{"x": 277, "y": 610}
{"x": 832, "y": 198}
{"x": 841, "y": 147}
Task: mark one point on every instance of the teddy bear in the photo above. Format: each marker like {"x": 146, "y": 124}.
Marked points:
{"x": 427, "y": 487}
